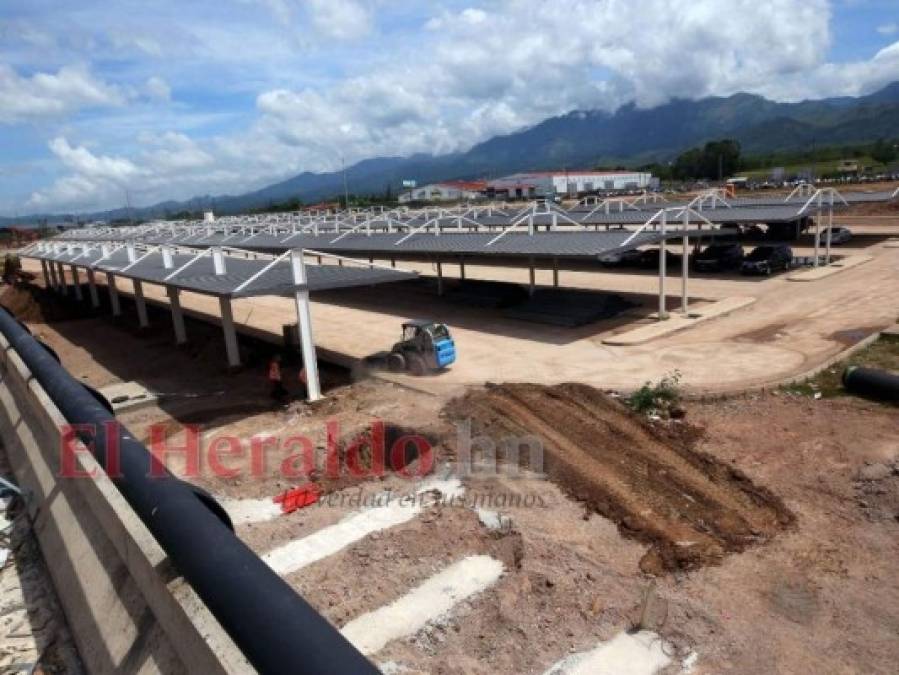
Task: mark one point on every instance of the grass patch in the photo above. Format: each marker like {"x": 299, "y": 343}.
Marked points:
{"x": 883, "y": 354}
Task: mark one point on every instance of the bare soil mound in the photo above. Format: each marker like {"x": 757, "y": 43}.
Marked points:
{"x": 691, "y": 508}
{"x": 33, "y": 304}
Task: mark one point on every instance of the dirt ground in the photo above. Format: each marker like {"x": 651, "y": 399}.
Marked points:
{"x": 689, "y": 507}
{"x": 818, "y": 596}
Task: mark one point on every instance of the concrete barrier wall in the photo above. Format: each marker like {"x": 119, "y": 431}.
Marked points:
{"x": 128, "y": 610}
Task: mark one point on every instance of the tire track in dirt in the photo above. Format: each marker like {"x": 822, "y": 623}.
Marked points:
{"x": 691, "y": 508}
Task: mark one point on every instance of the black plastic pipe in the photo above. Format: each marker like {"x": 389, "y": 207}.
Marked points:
{"x": 271, "y": 624}
{"x": 872, "y": 383}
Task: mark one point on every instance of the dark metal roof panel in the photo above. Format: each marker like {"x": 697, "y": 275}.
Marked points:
{"x": 200, "y": 276}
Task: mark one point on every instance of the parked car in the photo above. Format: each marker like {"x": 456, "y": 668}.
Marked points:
{"x": 768, "y": 259}
{"x": 628, "y": 258}
{"x": 649, "y": 259}
{"x": 838, "y": 235}
{"x": 718, "y": 257}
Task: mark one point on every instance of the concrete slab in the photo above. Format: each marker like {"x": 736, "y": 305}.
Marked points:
{"x": 815, "y": 273}
{"x": 892, "y": 242}
{"x": 891, "y": 331}
{"x": 676, "y": 322}
{"x": 128, "y": 396}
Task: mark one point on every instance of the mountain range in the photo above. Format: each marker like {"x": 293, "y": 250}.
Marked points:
{"x": 630, "y": 136}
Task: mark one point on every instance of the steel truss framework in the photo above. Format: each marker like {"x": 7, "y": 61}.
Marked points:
{"x": 222, "y": 272}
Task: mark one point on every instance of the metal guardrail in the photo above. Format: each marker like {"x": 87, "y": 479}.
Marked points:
{"x": 275, "y": 628}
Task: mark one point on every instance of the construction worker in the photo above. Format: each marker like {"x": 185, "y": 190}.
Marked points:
{"x": 278, "y": 392}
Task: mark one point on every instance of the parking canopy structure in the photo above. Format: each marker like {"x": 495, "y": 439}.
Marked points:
{"x": 539, "y": 232}
{"x": 224, "y": 273}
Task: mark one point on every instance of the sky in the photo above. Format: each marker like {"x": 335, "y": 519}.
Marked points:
{"x": 104, "y": 103}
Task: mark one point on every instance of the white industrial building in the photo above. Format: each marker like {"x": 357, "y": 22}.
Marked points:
{"x": 579, "y": 182}
{"x": 551, "y": 183}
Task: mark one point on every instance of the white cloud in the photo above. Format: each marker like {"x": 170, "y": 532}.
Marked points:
{"x": 48, "y": 94}
{"x": 500, "y": 67}
{"x": 888, "y": 29}
{"x": 158, "y": 88}
{"x": 340, "y": 19}
{"x": 350, "y": 78}
{"x": 93, "y": 177}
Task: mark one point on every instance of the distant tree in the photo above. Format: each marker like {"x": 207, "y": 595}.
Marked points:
{"x": 883, "y": 152}
{"x": 716, "y": 160}
{"x": 660, "y": 171}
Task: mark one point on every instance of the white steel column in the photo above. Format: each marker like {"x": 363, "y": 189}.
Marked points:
{"x": 230, "y": 334}
{"x": 685, "y": 272}
{"x": 818, "y": 231}
{"x": 77, "y": 283}
{"x": 304, "y": 325}
{"x": 140, "y": 303}
{"x": 45, "y": 269}
{"x": 92, "y": 288}
{"x": 177, "y": 315}
{"x": 61, "y": 277}
{"x": 113, "y": 295}
{"x": 52, "y": 282}
{"x": 663, "y": 264}
{"x": 685, "y": 264}
{"x": 829, "y": 228}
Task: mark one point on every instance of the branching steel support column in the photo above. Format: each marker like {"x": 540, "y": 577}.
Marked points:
{"x": 230, "y": 333}
{"x": 304, "y": 326}
{"x": 177, "y": 315}
{"x": 141, "y": 304}
{"x": 76, "y": 283}
{"x": 663, "y": 263}
{"x": 113, "y": 295}
{"x": 92, "y": 288}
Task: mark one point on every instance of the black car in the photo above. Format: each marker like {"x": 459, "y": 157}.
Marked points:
{"x": 768, "y": 259}
{"x": 719, "y": 257}
{"x": 626, "y": 259}
{"x": 649, "y": 259}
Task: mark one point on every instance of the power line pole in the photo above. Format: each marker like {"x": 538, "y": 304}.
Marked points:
{"x": 346, "y": 192}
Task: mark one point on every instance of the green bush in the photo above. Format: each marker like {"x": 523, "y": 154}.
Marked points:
{"x": 657, "y": 398}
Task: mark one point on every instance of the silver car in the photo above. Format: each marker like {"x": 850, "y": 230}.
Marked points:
{"x": 838, "y": 235}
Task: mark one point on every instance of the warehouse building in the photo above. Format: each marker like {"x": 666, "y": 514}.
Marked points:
{"x": 545, "y": 184}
